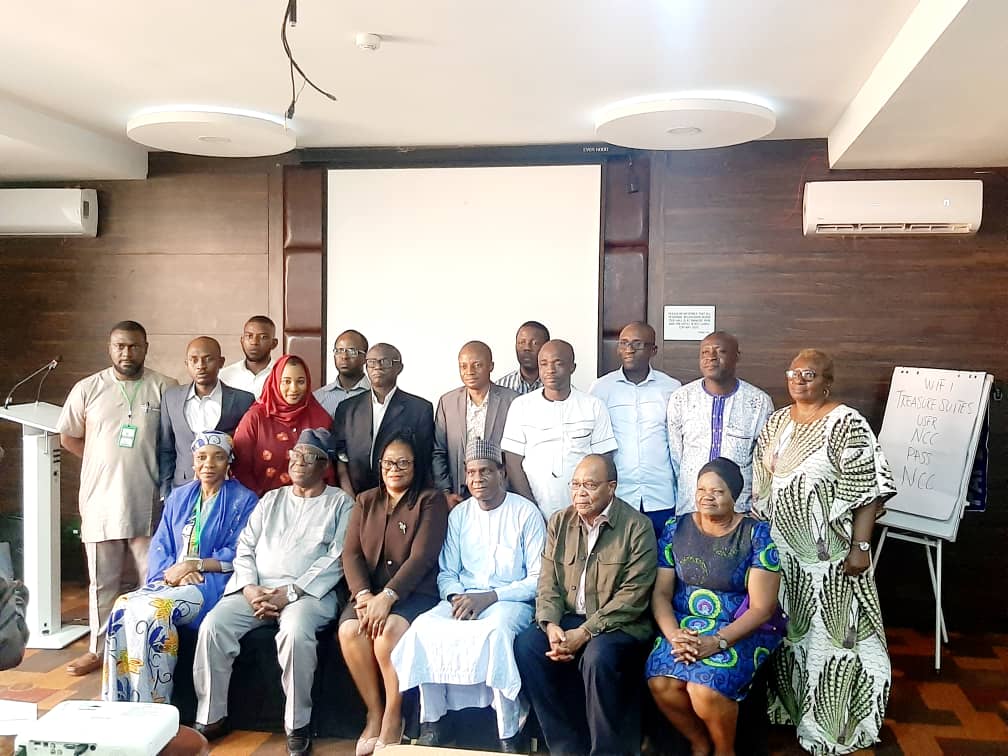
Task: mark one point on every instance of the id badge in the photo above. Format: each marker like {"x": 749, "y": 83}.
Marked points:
{"x": 127, "y": 436}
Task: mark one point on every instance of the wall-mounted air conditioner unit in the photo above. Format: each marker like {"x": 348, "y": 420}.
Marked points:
{"x": 884, "y": 208}
{"x": 48, "y": 212}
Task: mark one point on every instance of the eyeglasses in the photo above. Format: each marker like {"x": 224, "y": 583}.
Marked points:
{"x": 382, "y": 362}
{"x": 636, "y": 344}
{"x": 305, "y": 457}
{"x": 806, "y": 374}
{"x": 396, "y": 464}
{"x": 591, "y": 486}
{"x": 348, "y": 351}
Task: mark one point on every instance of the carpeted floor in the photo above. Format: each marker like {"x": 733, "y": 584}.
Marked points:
{"x": 962, "y": 712}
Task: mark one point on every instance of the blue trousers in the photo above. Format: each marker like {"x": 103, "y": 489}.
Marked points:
{"x": 590, "y": 705}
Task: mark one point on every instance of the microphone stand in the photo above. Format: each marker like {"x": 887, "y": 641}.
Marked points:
{"x": 49, "y": 366}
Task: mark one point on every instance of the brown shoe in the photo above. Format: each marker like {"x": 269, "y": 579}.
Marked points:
{"x": 84, "y": 664}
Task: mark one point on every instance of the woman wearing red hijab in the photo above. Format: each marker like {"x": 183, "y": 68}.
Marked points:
{"x": 270, "y": 429}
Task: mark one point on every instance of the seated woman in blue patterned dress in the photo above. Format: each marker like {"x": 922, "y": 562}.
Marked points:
{"x": 188, "y": 565}
{"x": 715, "y": 602}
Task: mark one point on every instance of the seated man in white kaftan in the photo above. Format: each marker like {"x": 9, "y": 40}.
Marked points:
{"x": 460, "y": 653}
{"x": 286, "y": 567}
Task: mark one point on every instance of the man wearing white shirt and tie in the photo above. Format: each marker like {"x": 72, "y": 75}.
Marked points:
{"x": 637, "y": 398}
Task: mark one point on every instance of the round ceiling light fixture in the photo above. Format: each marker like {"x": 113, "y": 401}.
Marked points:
{"x": 683, "y": 123}
{"x": 213, "y": 132}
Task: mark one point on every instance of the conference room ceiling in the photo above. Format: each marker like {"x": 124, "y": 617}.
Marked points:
{"x": 891, "y": 84}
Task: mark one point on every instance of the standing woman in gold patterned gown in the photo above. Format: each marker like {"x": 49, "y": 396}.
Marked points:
{"x": 820, "y": 478}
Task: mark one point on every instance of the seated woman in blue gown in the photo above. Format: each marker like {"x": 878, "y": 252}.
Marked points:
{"x": 189, "y": 564}
{"x": 715, "y": 602}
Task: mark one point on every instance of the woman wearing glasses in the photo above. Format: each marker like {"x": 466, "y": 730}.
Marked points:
{"x": 820, "y": 478}
{"x": 390, "y": 559}
{"x": 270, "y": 429}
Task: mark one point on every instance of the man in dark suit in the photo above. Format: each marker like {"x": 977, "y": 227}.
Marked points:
{"x": 204, "y": 404}
{"x": 363, "y": 423}
{"x": 475, "y": 410}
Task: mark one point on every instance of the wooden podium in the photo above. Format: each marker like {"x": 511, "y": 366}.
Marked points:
{"x": 41, "y": 501}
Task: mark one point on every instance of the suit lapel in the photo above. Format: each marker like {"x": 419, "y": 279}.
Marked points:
{"x": 492, "y": 407}
{"x": 392, "y": 412}
{"x": 227, "y": 403}
{"x": 183, "y": 395}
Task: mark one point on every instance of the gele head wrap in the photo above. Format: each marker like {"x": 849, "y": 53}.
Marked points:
{"x": 214, "y": 438}
{"x": 728, "y": 471}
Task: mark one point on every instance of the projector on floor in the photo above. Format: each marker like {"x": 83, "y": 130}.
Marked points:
{"x": 100, "y": 728}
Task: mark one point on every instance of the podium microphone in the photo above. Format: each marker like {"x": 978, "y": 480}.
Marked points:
{"x": 47, "y": 368}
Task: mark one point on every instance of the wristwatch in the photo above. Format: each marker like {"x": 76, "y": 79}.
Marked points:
{"x": 391, "y": 594}
{"x": 722, "y": 644}
{"x": 863, "y": 545}
{"x": 292, "y": 595}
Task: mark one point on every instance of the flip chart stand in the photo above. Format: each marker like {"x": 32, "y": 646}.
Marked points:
{"x": 935, "y": 571}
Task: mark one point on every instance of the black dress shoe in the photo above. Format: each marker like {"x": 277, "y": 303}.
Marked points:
{"x": 430, "y": 734}
{"x": 214, "y": 730}
{"x": 511, "y": 745}
{"x": 299, "y": 741}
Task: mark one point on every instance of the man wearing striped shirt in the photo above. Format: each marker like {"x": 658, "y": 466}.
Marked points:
{"x": 528, "y": 341}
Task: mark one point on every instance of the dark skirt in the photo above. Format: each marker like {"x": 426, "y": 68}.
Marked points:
{"x": 408, "y": 608}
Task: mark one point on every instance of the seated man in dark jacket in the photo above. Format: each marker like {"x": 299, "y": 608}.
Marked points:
{"x": 582, "y": 661}
{"x": 13, "y": 630}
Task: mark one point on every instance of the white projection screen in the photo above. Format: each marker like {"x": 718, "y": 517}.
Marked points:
{"x": 430, "y": 258}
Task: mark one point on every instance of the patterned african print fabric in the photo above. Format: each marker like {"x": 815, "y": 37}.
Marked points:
{"x": 142, "y": 644}
{"x": 832, "y": 677}
{"x": 711, "y": 577}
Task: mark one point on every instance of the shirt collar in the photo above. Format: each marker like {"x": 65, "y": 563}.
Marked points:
{"x": 621, "y": 377}
{"x": 376, "y": 403}
{"x": 266, "y": 369}
{"x": 215, "y": 394}
{"x": 601, "y": 519}
{"x": 734, "y": 391}
{"x": 363, "y": 384}
{"x": 470, "y": 402}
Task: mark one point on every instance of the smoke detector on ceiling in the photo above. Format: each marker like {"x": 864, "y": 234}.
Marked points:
{"x": 368, "y": 41}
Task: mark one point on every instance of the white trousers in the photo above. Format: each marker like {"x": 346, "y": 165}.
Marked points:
{"x": 105, "y": 561}
{"x": 217, "y": 645}
{"x": 459, "y": 664}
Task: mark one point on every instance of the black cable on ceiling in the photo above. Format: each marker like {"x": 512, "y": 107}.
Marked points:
{"x": 290, "y": 17}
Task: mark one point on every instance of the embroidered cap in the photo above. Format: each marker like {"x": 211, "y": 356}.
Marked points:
{"x": 319, "y": 439}
{"x": 480, "y": 448}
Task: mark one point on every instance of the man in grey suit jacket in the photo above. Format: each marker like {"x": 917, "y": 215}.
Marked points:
{"x": 204, "y": 404}
{"x": 475, "y": 410}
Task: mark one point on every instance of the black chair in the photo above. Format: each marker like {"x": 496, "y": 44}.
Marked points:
{"x": 256, "y": 699}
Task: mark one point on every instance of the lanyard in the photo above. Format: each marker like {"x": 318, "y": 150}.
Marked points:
{"x": 130, "y": 399}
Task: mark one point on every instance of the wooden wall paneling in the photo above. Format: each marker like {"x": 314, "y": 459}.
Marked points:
{"x": 183, "y": 252}
{"x": 726, "y": 230}
{"x": 303, "y": 267}
{"x": 625, "y": 251}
